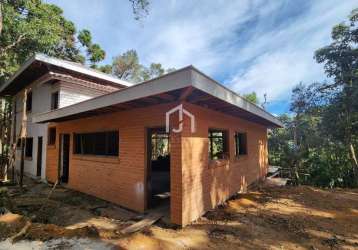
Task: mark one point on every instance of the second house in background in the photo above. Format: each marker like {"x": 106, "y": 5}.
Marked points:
{"x": 51, "y": 84}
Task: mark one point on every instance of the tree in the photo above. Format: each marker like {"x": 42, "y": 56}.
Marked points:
{"x": 251, "y": 97}
{"x": 0, "y": 17}
{"x": 128, "y": 67}
{"x": 140, "y": 8}
{"x": 340, "y": 60}
{"x": 31, "y": 26}
{"x": 154, "y": 70}
{"x": 319, "y": 140}
{"x": 94, "y": 52}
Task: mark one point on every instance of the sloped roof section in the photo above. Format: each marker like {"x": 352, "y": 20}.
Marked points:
{"x": 40, "y": 64}
{"x": 204, "y": 91}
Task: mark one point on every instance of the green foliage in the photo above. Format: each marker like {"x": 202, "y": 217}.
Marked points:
{"x": 318, "y": 144}
{"x": 85, "y": 38}
{"x": 252, "y": 97}
{"x": 127, "y": 67}
{"x": 31, "y": 26}
{"x": 140, "y": 8}
{"x": 95, "y": 53}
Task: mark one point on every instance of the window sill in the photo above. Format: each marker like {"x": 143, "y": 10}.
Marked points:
{"x": 51, "y": 146}
{"x": 28, "y": 158}
{"x": 96, "y": 158}
{"x": 218, "y": 163}
{"x": 240, "y": 157}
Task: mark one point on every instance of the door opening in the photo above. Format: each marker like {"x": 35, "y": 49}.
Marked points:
{"x": 39, "y": 156}
{"x": 65, "y": 157}
{"x": 158, "y": 163}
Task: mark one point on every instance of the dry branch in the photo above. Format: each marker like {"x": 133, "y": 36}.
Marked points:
{"x": 22, "y": 232}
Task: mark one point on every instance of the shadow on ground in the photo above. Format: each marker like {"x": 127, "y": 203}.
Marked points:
{"x": 268, "y": 217}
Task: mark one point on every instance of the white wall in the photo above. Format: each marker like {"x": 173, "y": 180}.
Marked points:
{"x": 41, "y": 102}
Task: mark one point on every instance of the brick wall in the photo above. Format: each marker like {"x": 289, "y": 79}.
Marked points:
{"x": 196, "y": 184}
{"x": 120, "y": 180}
{"x": 208, "y": 183}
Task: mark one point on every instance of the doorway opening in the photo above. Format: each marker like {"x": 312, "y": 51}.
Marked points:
{"x": 39, "y": 156}
{"x": 65, "y": 158}
{"x": 158, "y": 167}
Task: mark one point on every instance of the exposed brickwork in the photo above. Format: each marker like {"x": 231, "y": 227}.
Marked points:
{"x": 118, "y": 179}
{"x": 196, "y": 184}
{"x": 205, "y": 183}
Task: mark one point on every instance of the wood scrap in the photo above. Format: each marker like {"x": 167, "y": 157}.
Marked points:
{"x": 48, "y": 196}
{"x": 22, "y": 232}
{"x": 147, "y": 221}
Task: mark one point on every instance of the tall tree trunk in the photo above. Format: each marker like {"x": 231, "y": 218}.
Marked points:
{"x": 354, "y": 162}
{"x": 1, "y": 17}
{"x": 349, "y": 132}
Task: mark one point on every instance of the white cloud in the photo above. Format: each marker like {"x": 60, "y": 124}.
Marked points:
{"x": 262, "y": 46}
{"x": 284, "y": 57}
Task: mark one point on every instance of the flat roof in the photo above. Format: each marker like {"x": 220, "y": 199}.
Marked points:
{"x": 63, "y": 64}
{"x": 176, "y": 80}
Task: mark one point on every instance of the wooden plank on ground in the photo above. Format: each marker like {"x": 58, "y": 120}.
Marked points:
{"x": 147, "y": 221}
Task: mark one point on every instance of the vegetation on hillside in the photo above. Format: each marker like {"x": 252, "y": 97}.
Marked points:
{"x": 319, "y": 142}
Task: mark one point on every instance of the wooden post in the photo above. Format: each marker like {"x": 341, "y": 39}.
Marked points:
{"x": 2, "y": 125}
{"x": 13, "y": 143}
{"x": 7, "y": 142}
{"x": 23, "y": 132}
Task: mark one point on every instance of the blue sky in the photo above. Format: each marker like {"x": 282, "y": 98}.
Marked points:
{"x": 263, "y": 46}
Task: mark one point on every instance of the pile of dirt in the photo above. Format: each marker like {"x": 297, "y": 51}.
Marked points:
{"x": 10, "y": 224}
{"x": 45, "y": 232}
{"x": 63, "y": 214}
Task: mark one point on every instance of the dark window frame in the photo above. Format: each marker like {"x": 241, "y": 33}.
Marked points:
{"x": 55, "y": 99}
{"x": 51, "y": 137}
{"x": 103, "y": 143}
{"x": 18, "y": 144}
{"x": 29, "y": 102}
{"x": 29, "y": 147}
{"x": 240, "y": 144}
{"x": 213, "y": 134}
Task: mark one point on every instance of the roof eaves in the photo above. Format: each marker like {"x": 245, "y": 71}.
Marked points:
{"x": 64, "y": 64}
{"x": 189, "y": 76}
{"x": 179, "y": 79}
{"x": 18, "y": 72}
{"x": 220, "y": 91}
{"x": 81, "y": 69}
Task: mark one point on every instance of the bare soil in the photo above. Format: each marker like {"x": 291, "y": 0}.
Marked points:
{"x": 268, "y": 217}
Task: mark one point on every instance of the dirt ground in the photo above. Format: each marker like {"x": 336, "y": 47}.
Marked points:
{"x": 268, "y": 217}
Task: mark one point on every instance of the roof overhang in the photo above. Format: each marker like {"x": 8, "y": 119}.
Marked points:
{"x": 40, "y": 64}
{"x": 170, "y": 87}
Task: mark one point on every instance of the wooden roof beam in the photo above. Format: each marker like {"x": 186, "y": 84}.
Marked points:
{"x": 185, "y": 93}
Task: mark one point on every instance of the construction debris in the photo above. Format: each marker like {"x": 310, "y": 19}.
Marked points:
{"x": 145, "y": 222}
{"x": 268, "y": 217}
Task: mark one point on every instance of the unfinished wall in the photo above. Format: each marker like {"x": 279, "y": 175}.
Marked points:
{"x": 208, "y": 183}
{"x": 70, "y": 93}
{"x": 121, "y": 179}
{"x": 197, "y": 184}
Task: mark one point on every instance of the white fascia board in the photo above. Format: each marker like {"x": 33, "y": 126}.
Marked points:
{"x": 18, "y": 72}
{"x": 67, "y": 65}
{"x": 81, "y": 69}
{"x": 212, "y": 87}
{"x": 175, "y": 80}
{"x": 185, "y": 77}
